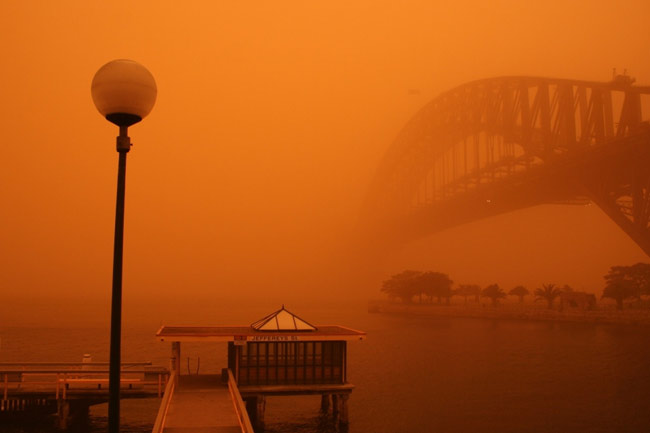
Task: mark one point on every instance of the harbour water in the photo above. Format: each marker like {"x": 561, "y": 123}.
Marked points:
{"x": 412, "y": 374}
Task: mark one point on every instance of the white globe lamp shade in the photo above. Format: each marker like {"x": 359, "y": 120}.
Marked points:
{"x": 123, "y": 91}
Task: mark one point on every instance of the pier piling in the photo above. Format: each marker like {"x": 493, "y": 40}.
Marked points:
{"x": 340, "y": 409}
{"x": 325, "y": 403}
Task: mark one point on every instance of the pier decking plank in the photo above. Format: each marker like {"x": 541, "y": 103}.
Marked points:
{"x": 201, "y": 404}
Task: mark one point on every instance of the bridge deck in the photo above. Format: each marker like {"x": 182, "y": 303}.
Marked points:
{"x": 201, "y": 404}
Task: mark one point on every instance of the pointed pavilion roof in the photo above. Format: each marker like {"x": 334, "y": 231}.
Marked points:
{"x": 282, "y": 320}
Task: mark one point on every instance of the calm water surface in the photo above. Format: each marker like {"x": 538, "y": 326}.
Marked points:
{"x": 412, "y": 374}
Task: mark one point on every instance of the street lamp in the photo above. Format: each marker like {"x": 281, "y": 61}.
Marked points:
{"x": 124, "y": 92}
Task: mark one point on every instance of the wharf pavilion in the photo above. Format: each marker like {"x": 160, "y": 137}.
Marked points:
{"x": 278, "y": 355}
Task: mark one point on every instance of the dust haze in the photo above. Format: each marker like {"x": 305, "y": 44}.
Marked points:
{"x": 245, "y": 183}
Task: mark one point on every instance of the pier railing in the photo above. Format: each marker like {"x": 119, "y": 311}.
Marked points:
{"x": 66, "y": 365}
{"x": 61, "y": 379}
{"x": 159, "y": 425}
{"x": 240, "y": 406}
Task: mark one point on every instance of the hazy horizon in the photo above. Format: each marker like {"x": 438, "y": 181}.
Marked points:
{"x": 246, "y": 180}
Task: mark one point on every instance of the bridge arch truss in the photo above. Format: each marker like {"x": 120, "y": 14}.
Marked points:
{"x": 496, "y": 145}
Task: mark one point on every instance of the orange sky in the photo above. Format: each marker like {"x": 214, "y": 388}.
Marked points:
{"x": 271, "y": 118}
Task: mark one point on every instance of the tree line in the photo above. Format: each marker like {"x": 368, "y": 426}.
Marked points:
{"x": 627, "y": 283}
{"x": 621, "y": 283}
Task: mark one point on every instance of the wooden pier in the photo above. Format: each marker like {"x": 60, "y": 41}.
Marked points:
{"x": 334, "y": 399}
{"x": 279, "y": 355}
{"x": 202, "y": 403}
{"x": 69, "y": 389}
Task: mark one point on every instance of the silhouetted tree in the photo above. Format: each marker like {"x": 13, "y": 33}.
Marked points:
{"x": 436, "y": 284}
{"x": 404, "y": 286}
{"x": 467, "y": 290}
{"x": 477, "y": 293}
{"x": 625, "y": 282}
{"x": 640, "y": 274}
{"x": 619, "y": 290}
{"x": 494, "y": 292}
{"x": 638, "y": 277}
{"x": 547, "y": 292}
{"x": 566, "y": 289}
{"x": 520, "y": 291}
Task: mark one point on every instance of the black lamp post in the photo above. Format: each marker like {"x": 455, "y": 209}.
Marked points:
{"x": 124, "y": 92}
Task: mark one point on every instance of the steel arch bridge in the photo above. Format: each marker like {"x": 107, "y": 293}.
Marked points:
{"x": 497, "y": 145}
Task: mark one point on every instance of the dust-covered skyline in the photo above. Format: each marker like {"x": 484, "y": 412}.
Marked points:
{"x": 246, "y": 179}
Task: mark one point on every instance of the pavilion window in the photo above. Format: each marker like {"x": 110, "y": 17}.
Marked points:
{"x": 291, "y": 362}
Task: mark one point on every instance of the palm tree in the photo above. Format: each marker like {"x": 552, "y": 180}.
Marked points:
{"x": 494, "y": 292}
{"x": 520, "y": 291}
{"x": 548, "y": 292}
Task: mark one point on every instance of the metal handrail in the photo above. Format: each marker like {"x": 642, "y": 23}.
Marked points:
{"x": 38, "y": 363}
{"x": 159, "y": 425}
{"x": 61, "y": 371}
{"x": 56, "y": 378}
{"x": 240, "y": 407}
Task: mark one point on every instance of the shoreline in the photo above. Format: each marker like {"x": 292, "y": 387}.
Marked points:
{"x": 510, "y": 311}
